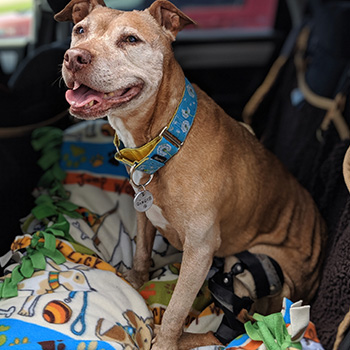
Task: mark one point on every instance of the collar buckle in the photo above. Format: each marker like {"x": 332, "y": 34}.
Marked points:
{"x": 117, "y": 148}
{"x": 139, "y": 185}
{"x": 171, "y": 138}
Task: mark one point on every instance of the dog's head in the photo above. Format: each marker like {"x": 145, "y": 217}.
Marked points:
{"x": 116, "y": 58}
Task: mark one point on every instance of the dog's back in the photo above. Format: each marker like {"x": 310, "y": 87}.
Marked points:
{"x": 259, "y": 205}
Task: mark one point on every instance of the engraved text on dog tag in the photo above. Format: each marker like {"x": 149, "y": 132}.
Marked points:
{"x": 143, "y": 201}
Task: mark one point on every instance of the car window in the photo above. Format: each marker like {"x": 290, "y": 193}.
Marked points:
{"x": 125, "y": 5}
{"x": 234, "y": 14}
{"x": 237, "y": 14}
{"x": 16, "y": 20}
{"x": 16, "y": 30}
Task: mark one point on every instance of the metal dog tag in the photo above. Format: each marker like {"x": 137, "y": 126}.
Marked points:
{"x": 143, "y": 201}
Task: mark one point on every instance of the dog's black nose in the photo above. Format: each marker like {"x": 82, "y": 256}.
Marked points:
{"x": 76, "y": 59}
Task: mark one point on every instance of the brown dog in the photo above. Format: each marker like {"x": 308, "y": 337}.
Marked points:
{"x": 221, "y": 193}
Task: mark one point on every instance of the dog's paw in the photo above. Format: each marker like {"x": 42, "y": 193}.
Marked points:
{"x": 161, "y": 346}
{"x": 135, "y": 278}
{"x": 159, "y": 342}
{"x": 156, "y": 329}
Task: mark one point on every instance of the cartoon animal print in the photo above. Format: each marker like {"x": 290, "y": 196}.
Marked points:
{"x": 107, "y": 130}
{"x": 112, "y": 160}
{"x": 90, "y": 130}
{"x": 137, "y": 334}
{"x": 77, "y": 225}
{"x": 97, "y": 160}
{"x": 161, "y": 245}
{"x": 44, "y": 282}
{"x": 124, "y": 250}
{"x": 8, "y": 313}
{"x": 57, "y": 312}
{"x": 95, "y": 221}
{"x": 122, "y": 255}
{"x": 60, "y": 345}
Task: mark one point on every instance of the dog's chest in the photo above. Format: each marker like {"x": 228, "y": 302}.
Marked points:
{"x": 156, "y": 217}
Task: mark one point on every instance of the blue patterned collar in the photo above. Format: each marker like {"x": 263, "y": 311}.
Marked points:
{"x": 152, "y": 156}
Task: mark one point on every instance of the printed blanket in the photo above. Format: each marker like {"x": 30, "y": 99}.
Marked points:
{"x": 65, "y": 289}
{"x": 63, "y": 286}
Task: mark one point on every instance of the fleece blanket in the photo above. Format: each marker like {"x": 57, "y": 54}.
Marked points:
{"x": 63, "y": 286}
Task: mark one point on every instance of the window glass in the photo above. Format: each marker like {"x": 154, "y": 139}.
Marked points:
{"x": 209, "y": 14}
{"x": 16, "y": 17}
{"x": 125, "y": 4}
{"x": 254, "y": 14}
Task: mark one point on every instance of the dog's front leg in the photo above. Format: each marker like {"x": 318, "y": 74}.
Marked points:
{"x": 196, "y": 261}
{"x": 139, "y": 274}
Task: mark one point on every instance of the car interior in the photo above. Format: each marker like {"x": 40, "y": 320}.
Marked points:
{"x": 280, "y": 66}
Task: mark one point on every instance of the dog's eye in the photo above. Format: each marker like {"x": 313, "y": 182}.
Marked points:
{"x": 128, "y": 39}
{"x": 80, "y": 30}
{"x": 131, "y": 39}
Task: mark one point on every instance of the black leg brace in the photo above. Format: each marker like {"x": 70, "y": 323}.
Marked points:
{"x": 268, "y": 279}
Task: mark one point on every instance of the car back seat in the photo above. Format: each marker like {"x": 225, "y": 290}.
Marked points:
{"x": 34, "y": 97}
{"x": 301, "y": 113}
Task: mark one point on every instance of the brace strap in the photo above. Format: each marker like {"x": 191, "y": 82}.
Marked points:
{"x": 267, "y": 279}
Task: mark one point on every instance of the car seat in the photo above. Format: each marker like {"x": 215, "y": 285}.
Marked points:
{"x": 34, "y": 97}
{"x": 301, "y": 113}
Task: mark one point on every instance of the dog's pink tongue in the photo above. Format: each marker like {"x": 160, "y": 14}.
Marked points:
{"x": 82, "y": 96}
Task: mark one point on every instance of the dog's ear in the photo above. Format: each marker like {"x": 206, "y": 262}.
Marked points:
{"x": 346, "y": 168}
{"x": 77, "y": 10}
{"x": 169, "y": 16}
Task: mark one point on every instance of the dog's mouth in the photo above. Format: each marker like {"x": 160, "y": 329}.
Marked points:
{"x": 86, "y": 102}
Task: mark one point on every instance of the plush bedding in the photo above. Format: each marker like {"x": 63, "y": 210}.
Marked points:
{"x": 63, "y": 287}
{"x": 67, "y": 292}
